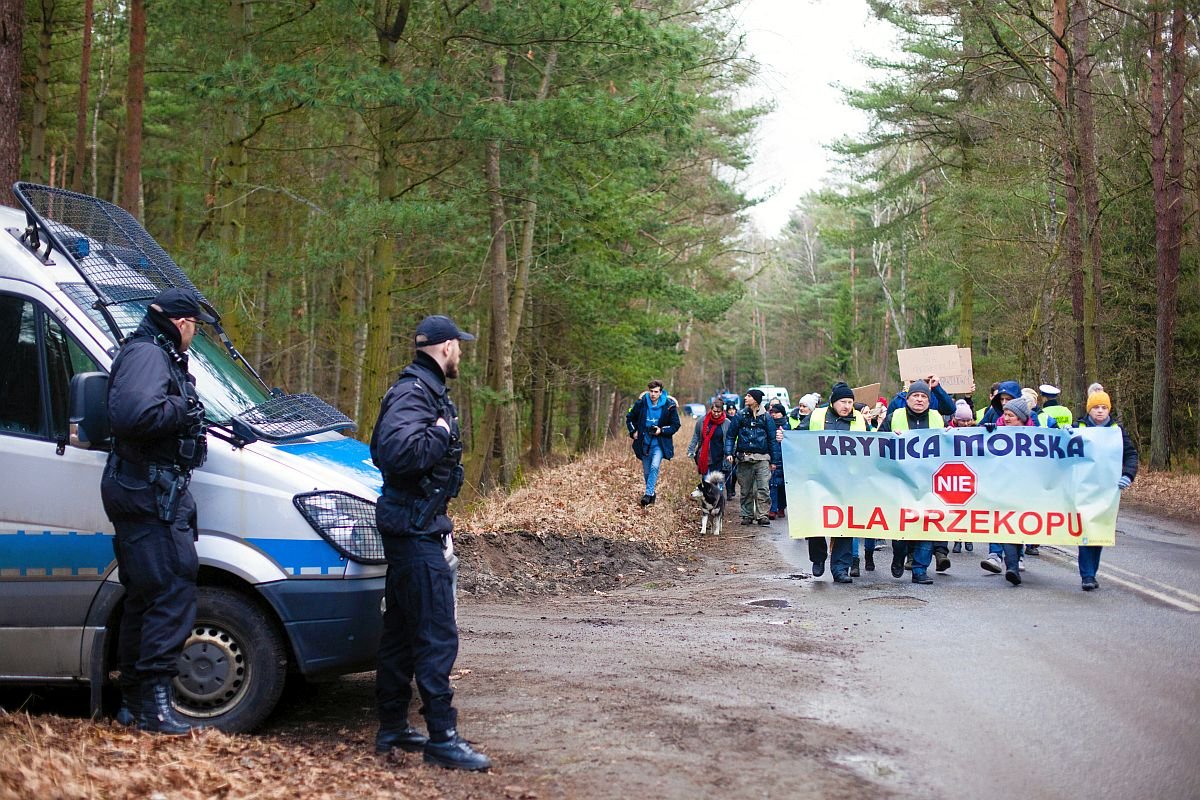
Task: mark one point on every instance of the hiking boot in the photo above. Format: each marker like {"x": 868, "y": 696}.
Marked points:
{"x": 649, "y": 499}
{"x": 992, "y": 563}
{"x": 645, "y": 501}
{"x": 869, "y": 561}
{"x": 920, "y": 576}
{"x": 1090, "y": 584}
{"x": 943, "y": 561}
{"x": 1033, "y": 549}
{"x": 455, "y": 752}
{"x": 854, "y": 573}
{"x": 400, "y": 736}
{"x": 1013, "y": 577}
{"x": 158, "y": 712}
{"x": 957, "y": 548}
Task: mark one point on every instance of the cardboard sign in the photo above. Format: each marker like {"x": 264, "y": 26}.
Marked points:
{"x": 921, "y": 362}
{"x": 961, "y": 380}
{"x": 868, "y": 394}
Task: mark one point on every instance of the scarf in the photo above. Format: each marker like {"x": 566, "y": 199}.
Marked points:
{"x": 708, "y": 428}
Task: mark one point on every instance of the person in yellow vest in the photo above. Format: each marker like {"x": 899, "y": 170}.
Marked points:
{"x": 916, "y": 415}
{"x": 839, "y": 415}
{"x": 1053, "y": 408}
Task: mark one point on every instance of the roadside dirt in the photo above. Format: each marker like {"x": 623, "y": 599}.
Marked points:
{"x": 590, "y": 667}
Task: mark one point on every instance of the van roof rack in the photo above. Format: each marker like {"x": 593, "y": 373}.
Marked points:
{"x": 120, "y": 262}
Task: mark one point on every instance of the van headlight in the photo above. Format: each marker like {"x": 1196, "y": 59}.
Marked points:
{"x": 345, "y": 521}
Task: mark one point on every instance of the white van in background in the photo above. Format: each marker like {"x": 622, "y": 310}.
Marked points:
{"x": 291, "y": 563}
{"x": 771, "y": 392}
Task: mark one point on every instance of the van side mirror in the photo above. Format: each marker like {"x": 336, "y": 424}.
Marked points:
{"x": 89, "y": 411}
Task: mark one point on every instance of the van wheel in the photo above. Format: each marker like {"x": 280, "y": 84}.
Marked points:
{"x": 234, "y": 663}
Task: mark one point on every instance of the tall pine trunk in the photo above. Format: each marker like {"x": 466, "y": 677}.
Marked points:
{"x": 135, "y": 90}
{"x": 39, "y": 171}
{"x": 1089, "y": 180}
{"x": 232, "y": 176}
{"x": 12, "y": 17}
{"x": 81, "y": 112}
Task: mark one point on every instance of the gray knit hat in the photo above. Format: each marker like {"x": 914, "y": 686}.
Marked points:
{"x": 1020, "y": 407}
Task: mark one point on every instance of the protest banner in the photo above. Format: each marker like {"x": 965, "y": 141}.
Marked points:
{"x": 921, "y": 362}
{"x": 961, "y": 380}
{"x": 868, "y": 394}
{"x": 1025, "y": 485}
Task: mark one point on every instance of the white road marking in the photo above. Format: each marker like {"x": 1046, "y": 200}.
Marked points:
{"x": 1140, "y": 587}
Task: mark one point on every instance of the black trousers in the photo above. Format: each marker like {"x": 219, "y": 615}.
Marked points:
{"x": 420, "y": 635}
{"x": 157, "y": 565}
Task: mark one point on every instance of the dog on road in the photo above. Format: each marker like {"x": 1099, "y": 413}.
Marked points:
{"x": 710, "y": 493}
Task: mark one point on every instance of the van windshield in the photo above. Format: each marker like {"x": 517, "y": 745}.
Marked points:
{"x": 224, "y": 384}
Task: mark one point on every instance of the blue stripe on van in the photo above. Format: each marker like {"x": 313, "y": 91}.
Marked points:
{"x": 48, "y": 554}
{"x": 341, "y": 455}
{"x": 43, "y": 553}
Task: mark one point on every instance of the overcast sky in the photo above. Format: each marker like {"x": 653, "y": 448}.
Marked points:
{"x": 804, "y": 47}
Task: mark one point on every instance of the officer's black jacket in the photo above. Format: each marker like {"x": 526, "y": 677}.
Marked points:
{"x": 408, "y": 444}
{"x": 146, "y": 405}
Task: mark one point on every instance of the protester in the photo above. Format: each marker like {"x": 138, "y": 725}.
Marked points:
{"x": 1099, "y": 415}
{"x": 839, "y": 415}
{"x": 982, "y": 410}
{"x": 750, "y": 443}
{"x": 916, "y": 414}
{"x": 1001, "y": 394}
{"x": 941, "y": 402}
{"x": 776, "y": 487}
{"x": 652, "y": 422}
{"x": 798, "y": 419}
{"x": 1015, "y": 412}
{"x": 707, "y": 447}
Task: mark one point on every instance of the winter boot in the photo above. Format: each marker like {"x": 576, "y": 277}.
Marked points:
{"x": 401, "y": 736}
{"x": 854, "y": 573}
{"x": 158, "y": 714}
{"x": 869, "y": 560}
{"x": 454, "y": 752}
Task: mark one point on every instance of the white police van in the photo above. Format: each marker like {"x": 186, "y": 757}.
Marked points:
{"x": 291, "y": 563}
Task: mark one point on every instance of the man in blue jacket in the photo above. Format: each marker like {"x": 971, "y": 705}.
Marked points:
{"x": 652, "y": 422}
{"x": 939, "y": 400}
{"x": 750, "y": 443}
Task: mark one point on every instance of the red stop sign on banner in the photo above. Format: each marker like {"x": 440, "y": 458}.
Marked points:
{"x": 955, "y": 483}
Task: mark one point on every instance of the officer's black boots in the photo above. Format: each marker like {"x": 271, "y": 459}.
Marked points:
{"x": 402, "y": 736}
{"x": 131, "y": 703}
{"x": 453, "y": 752}
{"x": 158, "y": 715}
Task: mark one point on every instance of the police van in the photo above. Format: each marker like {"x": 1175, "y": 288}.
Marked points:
{"x": 291, "y": 563}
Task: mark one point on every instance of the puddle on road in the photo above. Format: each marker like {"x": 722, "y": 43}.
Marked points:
{"x": 795, "y": 576}
{"x": 897, "y": 601}
{"x": 770, "y": 602}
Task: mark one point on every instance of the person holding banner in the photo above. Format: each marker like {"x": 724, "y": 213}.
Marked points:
{"x": 942, "y": 402}
{"x": 1099, "y": 415}
{"x": 916, "y": 414}
{"x": 839, "y": 415}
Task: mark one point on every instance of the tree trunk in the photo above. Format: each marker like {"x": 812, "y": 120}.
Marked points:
{"x": 1168, "y": 213}
{"x": 1089, "y": 180}
{"x": 38, "y": 170}
{"x": 135, "y": 89}
{"x": 81, "y": 112}
{"x": 12, "y": 16}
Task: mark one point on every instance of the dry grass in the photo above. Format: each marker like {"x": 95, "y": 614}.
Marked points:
{"x": 51, "y": 758}
{"x": 1171, "y": 493}
{"x": 596, "y": 495}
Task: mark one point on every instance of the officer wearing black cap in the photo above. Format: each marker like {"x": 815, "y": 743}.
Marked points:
{"x": 416, "y": 446}
{"x": 158, "y": 439}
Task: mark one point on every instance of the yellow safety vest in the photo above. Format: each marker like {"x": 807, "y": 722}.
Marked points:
{"x": 1061, "y": 413}
{"x": 817, "y": 421}
{"x": 900, "y": 421}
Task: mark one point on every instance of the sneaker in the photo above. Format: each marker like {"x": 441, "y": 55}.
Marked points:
{"x": 957, "y": 547}
{"x": 818, "y": 569}
{"x": 943, "y": 561}
{"x": 1033, "y": 549}
{"x": 992, "y": 563}
{"x": 1089, "y": 584}
{"x": 456, "y": 753}
{"x": 970, "y": 546}
{"x": 1021, "y": 563}
{"x": 1013, "y": 577}
{"x": 919, "y": 576}
{"x": 764, "y": 521}
{"x": 854, "y": 572}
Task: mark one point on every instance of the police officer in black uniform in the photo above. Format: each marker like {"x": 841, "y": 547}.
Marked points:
{"x": 158, "y": 439}
{"x": 416, "y": 446}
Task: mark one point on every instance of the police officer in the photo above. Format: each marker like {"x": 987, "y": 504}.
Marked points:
{"x": 158, "y": 439}
{"x": 416, "y": 446}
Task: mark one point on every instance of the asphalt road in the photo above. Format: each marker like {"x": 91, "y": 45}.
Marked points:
{"x": 974, "y": 688}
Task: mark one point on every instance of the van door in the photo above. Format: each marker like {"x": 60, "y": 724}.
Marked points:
{"x": 55, "y": 542}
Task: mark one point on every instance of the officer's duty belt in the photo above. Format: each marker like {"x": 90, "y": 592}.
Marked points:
{"x": 141, "y": 471}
